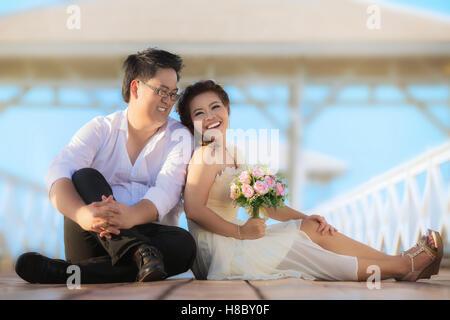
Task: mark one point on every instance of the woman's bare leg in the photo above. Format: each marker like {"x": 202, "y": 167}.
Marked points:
{"x": 390, "y": 266}
{"x": 341, "y": 244}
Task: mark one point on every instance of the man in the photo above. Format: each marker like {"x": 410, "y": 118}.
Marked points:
{"x": 118, "y": 184}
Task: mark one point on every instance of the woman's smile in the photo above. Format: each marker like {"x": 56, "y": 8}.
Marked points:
{"x": 213, "y": 125}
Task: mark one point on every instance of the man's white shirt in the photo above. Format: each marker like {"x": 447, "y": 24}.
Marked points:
{"x": 158, "y": 174}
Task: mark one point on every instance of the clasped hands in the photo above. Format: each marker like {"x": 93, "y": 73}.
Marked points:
{"x": 105, "y": 217}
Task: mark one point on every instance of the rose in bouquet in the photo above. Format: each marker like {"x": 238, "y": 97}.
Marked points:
{"x": 258, "y": 187}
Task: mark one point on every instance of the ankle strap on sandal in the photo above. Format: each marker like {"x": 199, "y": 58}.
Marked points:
{"x": 422, "y": 248}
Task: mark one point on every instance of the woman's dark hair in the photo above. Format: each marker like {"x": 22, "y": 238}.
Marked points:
{"x": 145, "y": 64}
{"x": 194, "y": 90}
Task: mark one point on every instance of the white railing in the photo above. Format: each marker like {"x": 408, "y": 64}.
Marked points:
{"x": 28, "y": 221}
{"x": 390, "y": 211}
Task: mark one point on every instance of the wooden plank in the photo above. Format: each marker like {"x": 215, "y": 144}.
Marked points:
{"x": 132, "y": 291}
{"x": 14, "y": 288}
{"x": 10, "y": 278}
{"x": 28, "y": 291}
{"x": 436, "y": 288}
{"x": 291, "y": 288}
{"x": 214, "y": 290}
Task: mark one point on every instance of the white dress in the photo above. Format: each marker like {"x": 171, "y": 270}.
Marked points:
{"x": 284, "y": 251}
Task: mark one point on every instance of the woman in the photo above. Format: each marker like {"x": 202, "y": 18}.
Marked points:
{"x": 299, "y": 246}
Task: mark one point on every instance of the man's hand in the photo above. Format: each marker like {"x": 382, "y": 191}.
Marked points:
{"x": 120, "y": 219}
{"x": 90, "y": 216}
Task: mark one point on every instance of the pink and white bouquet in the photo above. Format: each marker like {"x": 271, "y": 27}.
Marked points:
{"x": 257, "y": 187}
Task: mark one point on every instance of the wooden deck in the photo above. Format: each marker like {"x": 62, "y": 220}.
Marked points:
{"x": 185, "y": 288}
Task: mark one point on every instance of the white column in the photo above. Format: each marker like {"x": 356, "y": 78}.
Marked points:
{"x": 296, "y": 176}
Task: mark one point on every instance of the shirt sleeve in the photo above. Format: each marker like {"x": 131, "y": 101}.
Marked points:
{"x": 170, "y": 181}
{"x": 79, "y": 153}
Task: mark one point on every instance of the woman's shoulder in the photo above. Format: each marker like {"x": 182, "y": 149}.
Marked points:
{"x": 200, "y": 170}
{"x": 199, "y": 151}
{"x": 206, "y": 153}
{"x": 204, "y": 157}
{"x": 201, "y": 158}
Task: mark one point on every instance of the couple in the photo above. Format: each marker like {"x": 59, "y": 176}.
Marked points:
{"x": 120, "y": 183}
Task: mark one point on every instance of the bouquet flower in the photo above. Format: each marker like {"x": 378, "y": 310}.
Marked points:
{"x": 257, "y": 187}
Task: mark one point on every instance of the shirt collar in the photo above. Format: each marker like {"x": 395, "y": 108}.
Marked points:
{"x": 123, "y": 121}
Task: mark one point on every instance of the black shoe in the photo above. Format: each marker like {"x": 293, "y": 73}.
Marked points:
{"x": 36, "y": 268}
{"x": 150, "y": 264}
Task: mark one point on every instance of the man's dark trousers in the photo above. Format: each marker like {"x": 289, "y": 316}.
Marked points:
{"x": 103, "y": 260}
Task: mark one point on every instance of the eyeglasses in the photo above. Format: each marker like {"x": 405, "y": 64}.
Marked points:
{"x": 162, "y": 93}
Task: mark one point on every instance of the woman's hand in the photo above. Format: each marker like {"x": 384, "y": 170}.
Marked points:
{"x": 254, "y": 228}
{"x": 324, "y": 227}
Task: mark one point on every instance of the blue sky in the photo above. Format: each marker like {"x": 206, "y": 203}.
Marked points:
{"x": 441, "y": 6}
